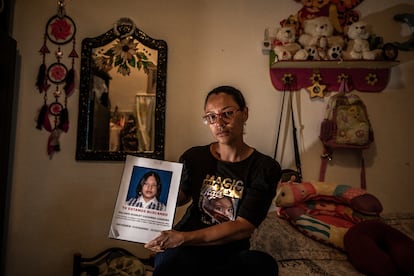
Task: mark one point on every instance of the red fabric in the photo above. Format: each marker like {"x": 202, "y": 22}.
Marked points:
{"x": 361, "y": 79}
{"x": 375, "y": 248}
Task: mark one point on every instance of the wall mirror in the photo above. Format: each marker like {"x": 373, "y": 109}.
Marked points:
{"x": 122, "y": 95}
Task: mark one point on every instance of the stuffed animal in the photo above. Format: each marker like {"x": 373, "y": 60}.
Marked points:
{"x": 358, "y": 46}
{"x": 307, "y": 53}
{"x": 316, "y": 8}
{"x": 291, "y": 21}
{"x": 328, "y": 9}
{"x": 346, "y": 11}
{"x": 318, "y": 32}
{"x": 291, "y": 193}
{"x": 308, "y": 11}
{"x": 325, "y": 211}
{"x": 335, "y": 53}
{"x": 284, "y": 43}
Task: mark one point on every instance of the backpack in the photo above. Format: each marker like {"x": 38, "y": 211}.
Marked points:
{"x": 346, "y": 125}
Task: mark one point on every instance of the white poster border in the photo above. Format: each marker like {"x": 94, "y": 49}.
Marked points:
{"x": 141, "y": 224}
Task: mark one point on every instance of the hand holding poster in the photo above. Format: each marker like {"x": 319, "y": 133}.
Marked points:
{"x": 146, "y": 200}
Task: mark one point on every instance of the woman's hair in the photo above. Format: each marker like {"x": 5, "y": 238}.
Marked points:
{"x": 144, "y": 179}
{"x": 229, "y": 90}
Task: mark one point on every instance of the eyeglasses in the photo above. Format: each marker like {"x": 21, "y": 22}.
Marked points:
{"x": 226, "y": 116}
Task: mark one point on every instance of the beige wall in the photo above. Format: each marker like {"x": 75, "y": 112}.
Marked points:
{"x": 61, "y": 206}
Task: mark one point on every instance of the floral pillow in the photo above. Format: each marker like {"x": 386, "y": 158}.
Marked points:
{"x": 125, "y": 265}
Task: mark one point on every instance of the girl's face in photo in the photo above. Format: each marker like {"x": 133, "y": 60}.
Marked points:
{"x": 149, "y": 189}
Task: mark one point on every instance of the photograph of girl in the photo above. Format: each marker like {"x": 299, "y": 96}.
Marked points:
{"x": 148, "y": 193}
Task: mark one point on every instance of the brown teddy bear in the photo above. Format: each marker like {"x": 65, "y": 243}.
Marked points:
{"x": 284, "y": 43}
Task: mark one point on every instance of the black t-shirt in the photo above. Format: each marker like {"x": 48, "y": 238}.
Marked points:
{"x": 222, "y": 191}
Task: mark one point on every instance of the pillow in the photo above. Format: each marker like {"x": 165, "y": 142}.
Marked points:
{"x": 125, "y": 265}
{"x": 283, "y": 241}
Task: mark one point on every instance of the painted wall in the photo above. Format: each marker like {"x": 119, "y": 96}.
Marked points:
{"x": 61, "y": 206}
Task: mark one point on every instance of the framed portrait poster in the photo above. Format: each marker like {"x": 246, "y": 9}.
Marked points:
{"x": 146, "y": 199}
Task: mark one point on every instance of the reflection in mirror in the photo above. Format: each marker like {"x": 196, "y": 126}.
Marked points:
{"x": 122, "y": 95}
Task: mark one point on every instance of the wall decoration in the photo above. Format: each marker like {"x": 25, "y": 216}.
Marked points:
{"x": 316, "y": 89}
{"x": 54, "y": 78}
{"x": 406, "y": 18}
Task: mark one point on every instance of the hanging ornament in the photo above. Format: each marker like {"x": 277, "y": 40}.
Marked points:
{"x": 54, "y": 115}
{"x": 343, "y": 83}
{"x": 316, "y": 89}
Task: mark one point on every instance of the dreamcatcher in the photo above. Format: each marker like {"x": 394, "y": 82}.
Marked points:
{"x": 54, "y": 80}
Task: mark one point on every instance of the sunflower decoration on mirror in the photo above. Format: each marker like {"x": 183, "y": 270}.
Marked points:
{"x": 55, "y": 82}
{"x": 125, "y": 53}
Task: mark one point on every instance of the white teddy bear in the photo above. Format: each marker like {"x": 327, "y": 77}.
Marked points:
{"x": 318, "y": 32}
{"x": 358, "y": 45}
{"x": 284, "y": 43}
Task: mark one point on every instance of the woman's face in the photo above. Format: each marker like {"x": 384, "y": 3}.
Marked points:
{"x": 149, "y": 189}
{"x": 226, "y": 130}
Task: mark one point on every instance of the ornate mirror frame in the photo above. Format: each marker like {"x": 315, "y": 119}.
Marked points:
{"x": 122, "y": 29}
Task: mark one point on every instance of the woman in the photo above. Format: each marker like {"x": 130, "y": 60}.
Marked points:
{"x": 200, "y": 244}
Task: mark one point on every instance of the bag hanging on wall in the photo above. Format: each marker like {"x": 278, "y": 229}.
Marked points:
{"x": 287, "y": 174}
{"x": 346, "y": 125}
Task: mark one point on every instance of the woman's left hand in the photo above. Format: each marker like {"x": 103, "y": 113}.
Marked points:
{"x": 167, "y": 239}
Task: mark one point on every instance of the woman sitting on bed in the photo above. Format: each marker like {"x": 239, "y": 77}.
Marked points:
{"x": 211, "y": 240}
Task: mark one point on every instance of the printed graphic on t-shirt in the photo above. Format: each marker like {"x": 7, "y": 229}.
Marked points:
{"x": 219, "y": 199}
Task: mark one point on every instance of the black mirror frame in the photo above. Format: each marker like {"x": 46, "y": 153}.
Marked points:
{"x": 84, "y": 119}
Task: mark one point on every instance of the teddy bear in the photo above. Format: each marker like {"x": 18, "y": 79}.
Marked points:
{"x": 328, "y": 9}
{"x": 291, "y": 21}
{"x": 318, "y": 32}
{"x": 358, "y": 46}
{"x": 284, "y": 43}
{"x": 315, "y": 8}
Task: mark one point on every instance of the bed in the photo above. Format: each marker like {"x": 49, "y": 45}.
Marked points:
{"x": 295, "y": 253}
